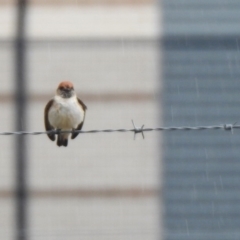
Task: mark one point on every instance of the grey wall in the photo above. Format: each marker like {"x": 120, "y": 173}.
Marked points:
{"x": 102, "y": 186}
{"x": 201, "y": 78}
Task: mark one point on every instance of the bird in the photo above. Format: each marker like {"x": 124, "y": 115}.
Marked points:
{"x": 64, "y": 112}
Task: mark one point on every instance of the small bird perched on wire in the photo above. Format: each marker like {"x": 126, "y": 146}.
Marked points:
{"x": 64, "y": 112}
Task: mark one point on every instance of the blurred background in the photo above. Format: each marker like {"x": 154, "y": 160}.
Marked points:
{"x": 160, "y": 63}
{"x": 102, "y": 186}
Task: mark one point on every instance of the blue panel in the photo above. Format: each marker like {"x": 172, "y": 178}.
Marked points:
{"x": 201, "y": 82}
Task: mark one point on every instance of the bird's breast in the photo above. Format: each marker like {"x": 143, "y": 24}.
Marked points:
{"x": 65, "y": 113}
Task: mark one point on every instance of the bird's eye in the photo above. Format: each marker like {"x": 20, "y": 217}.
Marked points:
{"x": 61, "y": 88}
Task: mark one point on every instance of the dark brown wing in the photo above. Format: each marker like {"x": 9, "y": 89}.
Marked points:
{"x": 82, "y": 104}
{"x": 48, "y": 126}
{"x": 79, "y": 127}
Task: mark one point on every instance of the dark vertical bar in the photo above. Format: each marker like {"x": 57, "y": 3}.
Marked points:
{"x": 20, "y": 124}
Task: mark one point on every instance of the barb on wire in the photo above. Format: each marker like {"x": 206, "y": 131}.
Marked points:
{"x": 230, "y": 127}
{"x": 135, "y": 130}
{"x": 138, "y": 130}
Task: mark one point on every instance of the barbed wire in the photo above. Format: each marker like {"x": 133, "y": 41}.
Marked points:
{"x": 135, "y": 130}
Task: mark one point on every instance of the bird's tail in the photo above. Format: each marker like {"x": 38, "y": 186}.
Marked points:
{"x": 62, "y": 139}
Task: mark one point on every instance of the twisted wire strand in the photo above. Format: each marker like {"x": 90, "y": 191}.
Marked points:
{"x": 135, "y": 130}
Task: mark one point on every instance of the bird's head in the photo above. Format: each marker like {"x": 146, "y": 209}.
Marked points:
{"x": 65, "y": 89}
